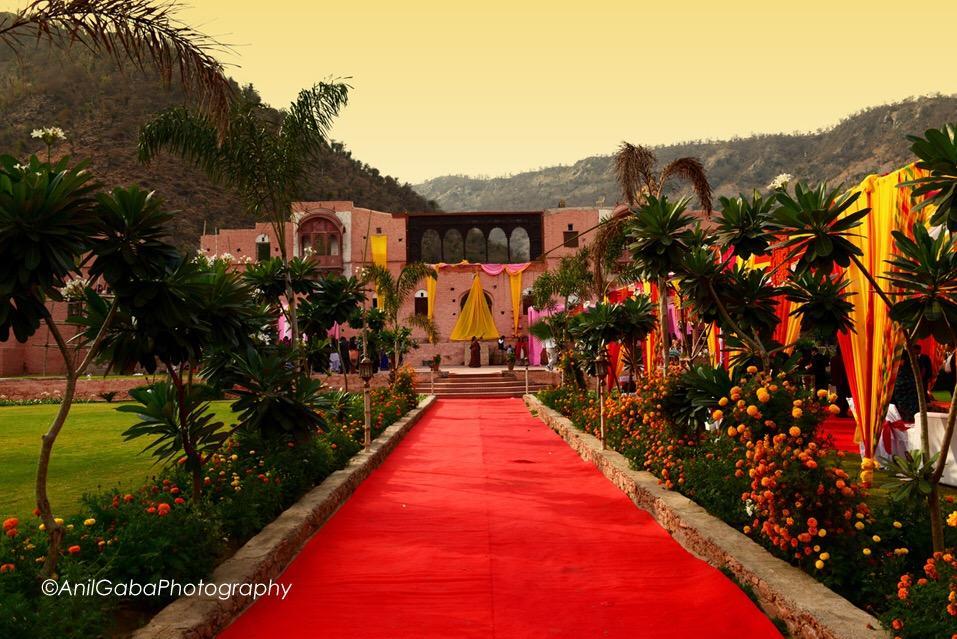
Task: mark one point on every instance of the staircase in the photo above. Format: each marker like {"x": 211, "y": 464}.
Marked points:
{"x": 477, "y": 385}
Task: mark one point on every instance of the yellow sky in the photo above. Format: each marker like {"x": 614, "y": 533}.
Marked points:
{"x": 495, "y": 87}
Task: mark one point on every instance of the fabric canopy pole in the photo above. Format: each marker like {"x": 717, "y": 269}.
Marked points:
{"x": 872, "y": 352}
{"x": 475, "y": 319}
{"x": 651, "y": 342}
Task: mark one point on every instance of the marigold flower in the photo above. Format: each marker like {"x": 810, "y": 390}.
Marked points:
{"x": 12, "y": 522}
{"x": 89, "y": 522}
{"x": 952, "y": 519}
{"x": 73, "y": 550}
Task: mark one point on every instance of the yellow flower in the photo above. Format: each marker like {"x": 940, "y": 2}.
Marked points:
{"x": 897, "y": 524}
{"x": 859, "y": 525}
{"x": 58, "y": 521}
{"x": 877, "y": 539}
{"x": 89, "y": 522}
{"x": 952, "y": 519}
{"x": 825, "y": 556}
{"x": 819, "y": 564}
{"x": 752, "y": 369}
{"x": 822, "y": 533}
{"x": 752, "y": 410}
{"x": 796, "y": 412}
{"x": 867, "y": 552}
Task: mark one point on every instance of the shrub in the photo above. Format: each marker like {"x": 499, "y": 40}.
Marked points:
{"x": 926, "y": 608}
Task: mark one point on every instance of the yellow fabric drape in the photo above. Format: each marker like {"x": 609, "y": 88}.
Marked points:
{"x": 476, "y": 318}
{"x": 876, "y": 346}
{"x": 430, "y": 294}
{"x": 379, "y": 245}
{"x": 515, "y": 283}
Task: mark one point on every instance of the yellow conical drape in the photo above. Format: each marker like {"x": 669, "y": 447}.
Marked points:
{"x": 475, "y": 319}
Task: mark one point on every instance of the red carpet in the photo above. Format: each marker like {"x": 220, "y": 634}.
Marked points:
{"x": 484, "y": 523}
{"x": 841, "y": 430}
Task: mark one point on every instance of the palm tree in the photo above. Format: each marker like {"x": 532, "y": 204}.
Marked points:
{"x": 393, "y": 292}
{"x": 265, "y": 159}
{"x": 656, "y": 226}
{"x": 142, "y": 32}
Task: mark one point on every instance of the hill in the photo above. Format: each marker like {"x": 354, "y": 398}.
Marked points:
{"x": 101, "y": 110}
{"x": 871, "y": 141}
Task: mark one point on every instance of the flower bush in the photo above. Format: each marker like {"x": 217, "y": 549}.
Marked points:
{"x": 764, "y": 467}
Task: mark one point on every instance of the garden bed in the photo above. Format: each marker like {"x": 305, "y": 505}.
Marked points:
{"x": 266, "y": 555}
{"x": 810, "y": 610}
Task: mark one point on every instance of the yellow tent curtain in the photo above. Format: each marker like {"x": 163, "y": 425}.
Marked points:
{"x": 872, "y": 352}
{"x": 476, "y": 318}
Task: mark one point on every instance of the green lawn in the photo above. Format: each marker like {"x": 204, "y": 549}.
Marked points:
{"x": 90, "y": 453}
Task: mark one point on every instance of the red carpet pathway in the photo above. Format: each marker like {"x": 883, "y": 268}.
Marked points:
{"x": 484, "y": 523}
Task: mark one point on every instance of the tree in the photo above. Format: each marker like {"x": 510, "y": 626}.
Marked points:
{"x": 263, "y": 159}
{"x": 173, "y": 321}
{"x": 925, "y": 278}
{"x": 336, "y": 300}
{"x": 144, "y": 33}
{"x": 656, "y": 225}
{"x": 54, "y": 230}
{"x": 393, "y": 293}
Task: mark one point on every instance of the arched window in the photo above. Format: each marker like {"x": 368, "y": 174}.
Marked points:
{"x": 475, "y": 246}
{"x": 519, "y": 248}
{"x": 465, "y": 298}
{"x": 431, "y": 247}
{"x": 262, "y": 248}
{"x": 421, "y": 303}
{"x": 321, "y": 235}
{"x": 526, "y": 300}
{"x": 497, "y": 246}
{"x": 453, "y": 248}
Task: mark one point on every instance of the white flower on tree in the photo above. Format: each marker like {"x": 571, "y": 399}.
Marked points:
{"x": 75, "y": 290}
{"x": 780, "y": 182}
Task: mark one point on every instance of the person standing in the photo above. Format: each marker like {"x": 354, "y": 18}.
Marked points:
{"x": 353, "y": 354}
{"x": 343, "y": 348}
{"x": 475, "y": 353}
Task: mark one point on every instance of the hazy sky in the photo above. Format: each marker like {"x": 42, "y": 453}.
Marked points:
{"x": 497, "y": 87}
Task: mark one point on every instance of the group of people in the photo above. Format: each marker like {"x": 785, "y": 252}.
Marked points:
{"x": 516, "y": 351}
{"x": 344, "y": 357}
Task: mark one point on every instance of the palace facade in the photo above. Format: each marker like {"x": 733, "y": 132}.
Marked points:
{"x": 464, "y": 245}
{"x": 343, "y": 237}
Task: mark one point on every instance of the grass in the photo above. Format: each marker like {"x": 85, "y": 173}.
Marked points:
{"x": 89, "y": 454}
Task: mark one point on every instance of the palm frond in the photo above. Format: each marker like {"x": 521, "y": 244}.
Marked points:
{"x": 426, "y": 325}
{"x": 634, "y": 168}
{"x": 145, "y": 33}
{"x": 692, "y": 171}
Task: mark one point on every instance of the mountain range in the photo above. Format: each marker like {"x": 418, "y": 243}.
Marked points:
{"x": 101, "y": 109}
{"x": 871, "y": 141}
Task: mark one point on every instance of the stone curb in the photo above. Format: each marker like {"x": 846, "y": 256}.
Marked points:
{"x": 810, "y": 609}
{"x": 266, "y": 555}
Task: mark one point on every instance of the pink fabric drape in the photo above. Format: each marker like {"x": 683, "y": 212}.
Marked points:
{"x": 511, "y": 269}
{"x": 534, "y": 344}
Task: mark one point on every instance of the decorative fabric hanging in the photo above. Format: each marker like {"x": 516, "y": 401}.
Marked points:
{"x": 379, "y": 245}
{"x": 871, "y": 354}
{"x": 475, "y": 320}
{"x": 430, "y": 295}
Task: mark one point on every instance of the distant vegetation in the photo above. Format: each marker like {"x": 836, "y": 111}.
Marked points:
{"x": 101, "y": 111}
{"x": 871, "y": 141}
